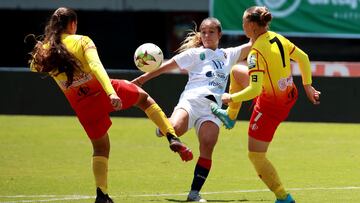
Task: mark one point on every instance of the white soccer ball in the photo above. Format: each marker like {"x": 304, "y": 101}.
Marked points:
{"x": 148, "y": 57}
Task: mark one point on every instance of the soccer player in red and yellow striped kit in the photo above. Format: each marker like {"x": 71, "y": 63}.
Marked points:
{"x": 269, "y": 80}
{"x": 72, "y": 60}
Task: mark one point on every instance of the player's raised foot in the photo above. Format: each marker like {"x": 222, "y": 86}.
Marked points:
{"x": 288, "y": 199}
{"x": 102, "y": 198}
{"x": 177, "y": 146}
{"x": 223, "y": 116}
{"x": 194, "y": 196}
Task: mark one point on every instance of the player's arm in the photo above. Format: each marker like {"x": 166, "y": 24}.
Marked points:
{"x": 304, "y": 64}
{"x": 256, "y": 75}
{"x": 245, "y": 49}
{"x": 96, "y": 67}
{"x": 98, "y": 70}
{"x": 165, "y": 67}
{"x": 253, "y": 90}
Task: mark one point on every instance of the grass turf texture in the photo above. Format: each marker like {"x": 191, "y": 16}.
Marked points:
{"x": 48, "y": 158}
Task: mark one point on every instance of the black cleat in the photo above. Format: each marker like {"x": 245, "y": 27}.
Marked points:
{"x": 102, "y": 198}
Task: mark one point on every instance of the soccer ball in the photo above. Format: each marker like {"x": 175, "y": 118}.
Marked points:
{"x": 148, "y": 57}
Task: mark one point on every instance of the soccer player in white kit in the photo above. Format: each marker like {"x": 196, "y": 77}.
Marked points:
{"x": 208, "y": 68}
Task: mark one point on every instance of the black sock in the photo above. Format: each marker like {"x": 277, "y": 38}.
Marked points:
{"x": 171, "y": 137}
{"x": 200, "y": 175}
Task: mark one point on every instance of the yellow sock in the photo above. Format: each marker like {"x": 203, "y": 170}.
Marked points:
{"x": 267, "y": 173}
{"x": 234, "y": 107}
{"x": 155, "y": 113}
{"x": 100, "y": 169}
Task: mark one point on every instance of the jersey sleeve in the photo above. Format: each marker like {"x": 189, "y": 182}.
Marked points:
{"x": 255, "y": 62}
{"x": 185, "y": 59}
{"x": 96, "y": 67}
{"x": 256, "y": 66}
{"x": 304, "y": 64}
{"x": 251, "y": 91}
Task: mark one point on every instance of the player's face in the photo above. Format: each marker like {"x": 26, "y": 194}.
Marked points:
{"x": 210, "y": 34}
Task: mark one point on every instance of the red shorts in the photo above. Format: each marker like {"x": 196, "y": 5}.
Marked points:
{"x": 93, "y": 111}
{"x": 266, "y": 118}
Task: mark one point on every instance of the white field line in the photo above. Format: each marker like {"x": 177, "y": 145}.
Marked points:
{"x": 53, "y": 198}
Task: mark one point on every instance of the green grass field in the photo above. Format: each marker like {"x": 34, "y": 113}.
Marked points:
{"x": 48, "y": 159}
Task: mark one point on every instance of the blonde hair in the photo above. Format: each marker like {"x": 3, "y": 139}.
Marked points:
{"x": 193, "y": 38}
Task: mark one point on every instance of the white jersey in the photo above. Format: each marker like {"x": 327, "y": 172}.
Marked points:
{"x": 208, "y": 70}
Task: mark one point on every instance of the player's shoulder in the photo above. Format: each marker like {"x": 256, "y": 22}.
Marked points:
{"x": 273, "y": 35}
{"x": 77, "y": 37}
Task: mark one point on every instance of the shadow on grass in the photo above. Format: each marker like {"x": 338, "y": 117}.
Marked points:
{"x": 230, "y": 200}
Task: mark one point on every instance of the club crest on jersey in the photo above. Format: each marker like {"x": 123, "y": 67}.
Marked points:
{"x": 202, "y": 56}
{"x": 251, "y": 61}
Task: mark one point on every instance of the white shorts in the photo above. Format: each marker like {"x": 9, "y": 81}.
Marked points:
{"x": 199, "y": 111}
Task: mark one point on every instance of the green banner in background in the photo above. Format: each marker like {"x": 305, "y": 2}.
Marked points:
{"x": 303, "y": 18}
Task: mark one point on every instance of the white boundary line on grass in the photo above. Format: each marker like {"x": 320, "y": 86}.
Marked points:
{"x": 53, "y": 198}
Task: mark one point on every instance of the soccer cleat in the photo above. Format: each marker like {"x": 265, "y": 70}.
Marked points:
{"x": 194, "y": 196}
{"x": 177, "y": 146}
{"x": 288, "y": 199}
{"x": 222, "y": 115}
{"x": 102, "y": 198}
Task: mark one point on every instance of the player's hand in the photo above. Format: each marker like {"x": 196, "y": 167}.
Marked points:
{"x": 226, "y": 98}
{"x": 115, "y": 102}
{"x": 312, "y": 94}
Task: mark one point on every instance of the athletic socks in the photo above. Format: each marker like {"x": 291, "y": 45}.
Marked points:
{"x": 267, "y": 173}
{"x": 100, "y": 169}
{"x": 201, "y": 172}
{"x": 155, "y": 113}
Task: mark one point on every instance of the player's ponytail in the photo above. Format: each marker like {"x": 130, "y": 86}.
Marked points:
{"x": 50, "y": 55}
{"x": 192, "y": 40}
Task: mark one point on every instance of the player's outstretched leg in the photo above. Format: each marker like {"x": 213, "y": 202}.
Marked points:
{"x": 223, "y": 116}
{"x": 155, "y": 113}
{"x": 288, "y": 199}
{"x": 177, "y": 146}
{"x": 102, "y": 198}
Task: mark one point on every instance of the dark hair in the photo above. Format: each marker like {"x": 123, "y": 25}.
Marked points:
{"x": 259, "y": 14}
{"x": 50, "y": 55}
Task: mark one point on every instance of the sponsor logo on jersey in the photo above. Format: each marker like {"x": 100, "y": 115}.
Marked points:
{"x": 209, "y": 74}
{"x": 283, "y": 83}
{"x": 83, "y": 90}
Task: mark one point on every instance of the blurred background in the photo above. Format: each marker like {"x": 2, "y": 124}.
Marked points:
{"x": 328, "y": 31}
